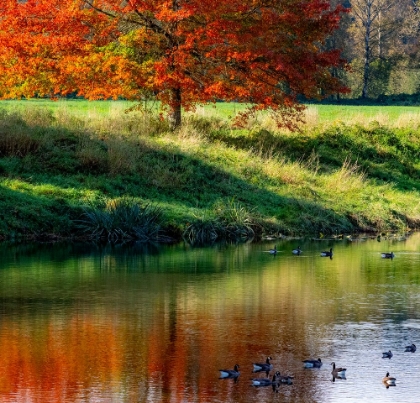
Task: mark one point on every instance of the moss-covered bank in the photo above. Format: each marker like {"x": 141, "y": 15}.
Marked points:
{"x": 57, "y": 168}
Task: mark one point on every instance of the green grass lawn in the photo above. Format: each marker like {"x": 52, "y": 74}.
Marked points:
{"x": 349, "y": 113}
{"x": 224, "y": 110}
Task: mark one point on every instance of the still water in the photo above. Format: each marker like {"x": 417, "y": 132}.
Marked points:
{"x": 155, "y": 324}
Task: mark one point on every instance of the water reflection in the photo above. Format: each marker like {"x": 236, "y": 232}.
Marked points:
{"x": 155, "y": 324}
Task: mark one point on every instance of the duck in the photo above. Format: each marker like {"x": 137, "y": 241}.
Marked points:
{"x": 312, "y": 363}
{"x": 273, "y": 251}
{"x": 230, "y": 373}
{"x": 284, "y": 378}
{"x": 327, "y": 253}
{"x": 389, "y": 380}
{"x": 266, "y": 366}
{"x": 410, "y": 349}
{"x": 267, "y": 381}
{"x": 387, "y": 255}
{"x": 297, "y": 251}
{"x": 387, "y": 354}
{"x": 338, "y": 372}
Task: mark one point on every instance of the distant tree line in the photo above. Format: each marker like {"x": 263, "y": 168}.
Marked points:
{"x": 380, "y": 39}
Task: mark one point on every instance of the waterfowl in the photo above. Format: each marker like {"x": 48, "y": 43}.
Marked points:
{"x": 389, "y": 380}
{"x": 266, "y": 381}
{"x": 285, "y": 378}
{"x": 337, "y": 377}
{"x": 297, "y": 251}
{"x": 338, "y": 372}
{"x": 410, "y": 349}
{"x": 387, "y": 255}
{"x": 327, "y": 253}
{"x": 312, "y": 363}
{"x": 258, "y": 367}
{"x": 273, "y": 251}
{"x": 387, "y": 354}
{"x": 230, "y": 373}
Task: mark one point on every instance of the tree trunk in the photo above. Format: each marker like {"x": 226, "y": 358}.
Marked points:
{"x": 175, "y": 104}
{"x": 365, "y": 77}
{"x": 175, "y": 111}
{"x": 368, "y": 31}
{"x": 366, "y": 66}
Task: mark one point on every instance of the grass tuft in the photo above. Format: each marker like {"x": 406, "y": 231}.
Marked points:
{"x": 202, "y": 229}
{"x": 122, "y": 219}
{"x": 225, "y": 221}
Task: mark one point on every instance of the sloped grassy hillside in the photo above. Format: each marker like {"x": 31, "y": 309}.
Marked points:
{"x": 65, "y": 173}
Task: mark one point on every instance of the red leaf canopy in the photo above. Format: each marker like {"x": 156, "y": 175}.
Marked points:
{"x": 185, "y": 52}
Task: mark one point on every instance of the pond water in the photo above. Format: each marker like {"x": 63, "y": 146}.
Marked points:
{"x": 155, "y": 324}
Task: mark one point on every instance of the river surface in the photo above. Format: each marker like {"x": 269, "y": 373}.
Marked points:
{"x": 82, "y": 323}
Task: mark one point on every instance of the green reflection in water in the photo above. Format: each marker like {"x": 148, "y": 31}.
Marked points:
{"x": 148, "y": 323}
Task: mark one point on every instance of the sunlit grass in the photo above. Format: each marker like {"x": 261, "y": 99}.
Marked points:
{"x": 47, "y": 189}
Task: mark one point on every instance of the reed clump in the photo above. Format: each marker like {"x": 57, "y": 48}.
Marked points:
{"x": 228, "y": 220}
{"x": 122, "y": 219}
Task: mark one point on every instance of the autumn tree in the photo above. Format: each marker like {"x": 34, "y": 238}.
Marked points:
{"x": 263, "y": 52}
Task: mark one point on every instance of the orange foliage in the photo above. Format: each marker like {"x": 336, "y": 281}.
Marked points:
{"x": 185, "y": 52}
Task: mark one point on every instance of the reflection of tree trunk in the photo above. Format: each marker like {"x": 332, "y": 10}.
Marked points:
{"x": 175, "y": 112}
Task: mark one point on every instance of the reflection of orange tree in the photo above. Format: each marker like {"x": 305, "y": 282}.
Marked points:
{"x": 56, "y": 361}
{"x": 182, "y": 352}
{"x": 167, "y": 356}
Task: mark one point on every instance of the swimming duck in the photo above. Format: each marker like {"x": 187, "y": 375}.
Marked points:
{"x": 263, "y": 366}
{"x": 387, "y": 255}
{"x": 273, "y": 251}
{"x": 410, "y": 349}
{"x": 285, "y": 378}
{"x": 327, "y": 253}
{"x": 389, "y": 380}
{"x": 230, "y": 373}
{"x": 297, "y": 251}
{"x": 312, "y": 363}
{"x": 337, "y": 377}
{"x": 387, "y": 354}
{"x": 338, "y": 372}
{"x": 267, "y": 381}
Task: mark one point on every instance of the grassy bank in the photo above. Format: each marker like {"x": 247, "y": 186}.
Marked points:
{"x": 77, "y": 169}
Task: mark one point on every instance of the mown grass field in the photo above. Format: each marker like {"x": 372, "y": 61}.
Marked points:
{"x": 315, "y": 113}
{"x": 348, "y": 169}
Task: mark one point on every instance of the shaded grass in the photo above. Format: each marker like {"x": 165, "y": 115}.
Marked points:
{"x": 207, "y": 180}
